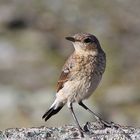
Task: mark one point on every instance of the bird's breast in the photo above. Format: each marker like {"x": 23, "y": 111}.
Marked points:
{"x": 88, "y": 66}
{"x": 89, "y": 73}
{"x": 84, "y": 78}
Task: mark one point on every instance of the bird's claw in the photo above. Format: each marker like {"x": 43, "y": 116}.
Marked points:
{"x": 109, "y": 124}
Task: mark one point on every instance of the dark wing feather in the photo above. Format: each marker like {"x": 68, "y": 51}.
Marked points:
{"x": 66, "y": 72}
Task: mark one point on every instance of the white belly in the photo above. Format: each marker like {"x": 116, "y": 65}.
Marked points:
{"x": 87, "y": 88}
{"x": 77, "y": 90}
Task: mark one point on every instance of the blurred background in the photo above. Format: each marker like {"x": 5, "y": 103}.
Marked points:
{"x": 33, "y": 50}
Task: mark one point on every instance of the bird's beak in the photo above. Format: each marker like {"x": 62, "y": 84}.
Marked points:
{"x": 70, "y": 39}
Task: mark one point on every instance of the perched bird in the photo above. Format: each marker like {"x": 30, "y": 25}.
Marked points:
{"x": 81, "y": 74}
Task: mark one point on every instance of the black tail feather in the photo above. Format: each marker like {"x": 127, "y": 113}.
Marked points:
{"x": 51, "y": 112}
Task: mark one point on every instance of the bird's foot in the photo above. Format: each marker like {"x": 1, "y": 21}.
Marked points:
{"x": 108, "y": 124}
{"x": 114, "y": 125}
{"x": 84, "y": 130}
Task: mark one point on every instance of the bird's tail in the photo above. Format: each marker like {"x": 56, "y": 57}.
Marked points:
{"x": 55, "y": 108}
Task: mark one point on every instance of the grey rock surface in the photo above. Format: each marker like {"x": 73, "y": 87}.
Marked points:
{"x": 92, "y": 131}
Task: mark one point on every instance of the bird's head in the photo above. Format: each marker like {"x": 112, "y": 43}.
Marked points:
{"x": 85, "y": 43}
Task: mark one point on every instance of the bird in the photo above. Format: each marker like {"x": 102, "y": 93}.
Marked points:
{"x": 80, "y": 76}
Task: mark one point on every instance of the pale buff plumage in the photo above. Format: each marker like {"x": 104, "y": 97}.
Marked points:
{"x": 81, "y": 73}
{"x": 85, "y": 77}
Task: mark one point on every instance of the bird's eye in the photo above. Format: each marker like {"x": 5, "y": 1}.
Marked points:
{"x": 87, "y": 40}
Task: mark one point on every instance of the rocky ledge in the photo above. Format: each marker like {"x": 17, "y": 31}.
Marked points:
{"x": 92, "y": 131}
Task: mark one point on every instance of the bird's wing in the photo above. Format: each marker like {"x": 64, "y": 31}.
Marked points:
{"x": 66, "y": 72}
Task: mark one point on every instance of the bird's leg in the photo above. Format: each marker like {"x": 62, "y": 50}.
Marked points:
{"x": 100, "y": 120}
{"x": 76, "y": 121}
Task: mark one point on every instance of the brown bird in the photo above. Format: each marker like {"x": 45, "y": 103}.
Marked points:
{"x": 81, "y": 74}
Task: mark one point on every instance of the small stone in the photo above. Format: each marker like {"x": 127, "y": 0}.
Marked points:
{"x": 30, "y": 134}
{"x": 48, "y": 134}
{"x": 75, "y": 134}
{"x": 107, "y": 132}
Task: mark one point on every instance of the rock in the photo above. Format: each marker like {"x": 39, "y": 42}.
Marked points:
{"x": 96, "y": 132}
